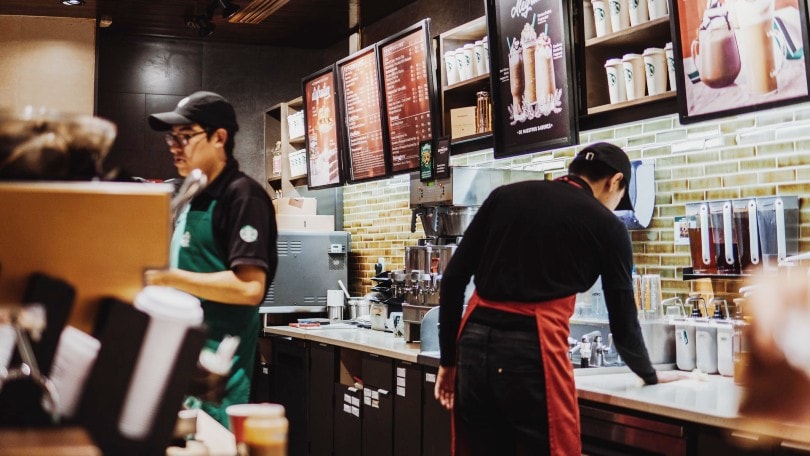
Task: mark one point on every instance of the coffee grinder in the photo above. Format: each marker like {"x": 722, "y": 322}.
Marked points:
{"x": 445, "y": 207}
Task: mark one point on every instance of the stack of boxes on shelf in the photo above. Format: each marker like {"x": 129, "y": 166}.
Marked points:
{"x": 300, "y": 214}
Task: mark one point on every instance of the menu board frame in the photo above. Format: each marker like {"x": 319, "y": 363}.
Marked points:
{"x": 737, "y": 97}
{"x": 433, "y": 99}
{"x": 527, "y": 127}
{"x": 348, "y": 159}
{"x": 338, "y": 116}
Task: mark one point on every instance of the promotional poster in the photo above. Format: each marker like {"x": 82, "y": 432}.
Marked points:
{"x": 320, "y": 114}
{"x": 739, "y": 55}
{"x": 533, "y": 105}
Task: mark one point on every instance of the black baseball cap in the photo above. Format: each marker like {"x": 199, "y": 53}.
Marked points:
{"x": 206, "y": 108}
{"x": 615, "y": 158}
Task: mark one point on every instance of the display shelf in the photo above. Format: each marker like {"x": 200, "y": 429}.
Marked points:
{"x": 631, "y": 103}
{"x": 688, "y": 274}
{"x": 276, "y": 129}
{"x": 644, "y": 32}
{"x": 471, "y": 143}
{"x": 467, "y": 83}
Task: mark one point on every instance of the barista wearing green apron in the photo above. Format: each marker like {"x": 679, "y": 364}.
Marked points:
{"x": 224, "y": 245}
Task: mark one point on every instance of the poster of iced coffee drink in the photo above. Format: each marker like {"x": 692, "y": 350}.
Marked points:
{"x": 320, "y": 125}
{"x": 739, "y": 55}
{"x": 533, "y": 97}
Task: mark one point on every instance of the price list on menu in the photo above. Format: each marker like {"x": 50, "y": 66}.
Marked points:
{"x": 407, "y": 97}
{"x": 363, "y": 120}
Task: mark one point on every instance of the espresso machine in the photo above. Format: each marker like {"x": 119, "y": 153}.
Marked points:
{"x": 445, "y": 208}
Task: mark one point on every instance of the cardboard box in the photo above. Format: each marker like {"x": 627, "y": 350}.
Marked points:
{"x": 462, "y": 122}
{"x": 296, "y": 206}
{"x": 287, "y": 222}
{"x": 295, "y": 124}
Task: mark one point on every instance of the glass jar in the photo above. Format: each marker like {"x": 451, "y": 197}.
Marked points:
{"x": 483, "y": 120}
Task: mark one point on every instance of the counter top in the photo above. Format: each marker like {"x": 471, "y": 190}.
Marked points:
{"x": 704, "y": 399}
{"x": 347, "y": 336}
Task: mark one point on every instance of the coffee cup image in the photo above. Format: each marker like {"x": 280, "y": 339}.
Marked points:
{"x": 715, "y": 53}
{"x": 528, "y": 38}
{"x": 760, "y": 60}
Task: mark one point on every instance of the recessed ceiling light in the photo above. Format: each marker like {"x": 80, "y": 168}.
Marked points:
{"x": 72, "y": 2}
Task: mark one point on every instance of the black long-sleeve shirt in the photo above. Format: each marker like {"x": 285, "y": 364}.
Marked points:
{"x": 535, "y": 241}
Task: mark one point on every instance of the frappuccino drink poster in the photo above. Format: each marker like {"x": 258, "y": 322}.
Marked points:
{"x": 533, "y": 105}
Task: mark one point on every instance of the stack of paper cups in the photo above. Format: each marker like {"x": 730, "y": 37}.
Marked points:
{"x": 619, "y": 15}
{"x": 450, "y": 67}
{"x": 74, "y": 358}
{"x": 334, "y": 304}
{"x": 657, "y": 8}
{"x": 655, "y": 70}
{"x": 485, "y": 42}
{"x": 480, "y": 58}
{"x": 634, "y": 78}
{"x": 638, "y": 12}
{"x": 172, "y": 312}
{"x": 601, "y": 17}
{"x": 615, "y": 79}
{"x": 670, "y": 65}
{"x": 469, "y": 56}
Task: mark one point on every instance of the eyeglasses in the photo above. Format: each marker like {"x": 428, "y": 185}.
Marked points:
{"x": 181, "y": 139}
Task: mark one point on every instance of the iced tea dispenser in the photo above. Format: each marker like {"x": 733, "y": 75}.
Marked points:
{"x": 700, "y": 243}
{"x": 723, "y": 240}
{"x": 746, "y": 232}
{"x": 778, "y": 223}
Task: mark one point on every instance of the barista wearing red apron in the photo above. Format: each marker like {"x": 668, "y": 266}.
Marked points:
{"x": 505, "y": 371}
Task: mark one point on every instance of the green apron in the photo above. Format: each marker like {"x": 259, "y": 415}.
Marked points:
{"x": 193, "y": 248}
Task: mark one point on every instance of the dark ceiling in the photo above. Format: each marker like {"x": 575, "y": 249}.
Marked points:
{"x": 300, "y": 23}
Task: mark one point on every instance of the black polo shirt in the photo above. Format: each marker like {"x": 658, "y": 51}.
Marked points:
{"x": 539, "y": 240}
{"x": 240, "y": 202}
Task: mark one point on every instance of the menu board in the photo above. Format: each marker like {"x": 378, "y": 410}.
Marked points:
{"x": 408, "y": 92}
{"x": 361, "y": 105}
{"x": 320, "y": 114}
{"x": 532, "y": 89}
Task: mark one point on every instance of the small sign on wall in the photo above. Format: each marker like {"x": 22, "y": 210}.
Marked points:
{"x": 681, "y": 230}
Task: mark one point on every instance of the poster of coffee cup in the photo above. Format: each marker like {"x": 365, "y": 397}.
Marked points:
{"x": 735, "y": 56}
{"x": 533, "y": 104}
{"x": 320, "y": 125}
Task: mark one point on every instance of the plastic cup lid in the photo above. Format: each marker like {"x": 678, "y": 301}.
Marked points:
{"x": 668, "y": 45}
{"x": 627, "y": 57}
{"x": 611, "y": 62}
{"x": 650, "y": 51}
{"x": 169, "y": 303}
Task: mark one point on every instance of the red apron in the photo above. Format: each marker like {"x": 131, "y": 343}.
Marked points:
{"x": 561, "y": 395}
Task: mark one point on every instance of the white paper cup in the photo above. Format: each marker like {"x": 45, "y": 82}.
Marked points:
{"x": 8, "y": 342}
{"x": 464, "y": 71}
{"x": 480, "y": 58}
{"x": 601, "y": 17}
{"x": 615, "y": 79}
{"x": 639, "y": 13}
{"x": 451, "y": 67}
{"x": 655, "y": 70}
{"x": 670, "y": 65}
{"x": 485, "y": 43}
{"x": 334, "y": 298}
{"x": 634, "y": 78}
{"x": 171, "y": 313}
{"x": 657, "y": 8}
{"x": 589, "y": 27}
{"x": 469, "y": 58}
{"x": 74, "y": 358}
{"x": 619, "y": 15}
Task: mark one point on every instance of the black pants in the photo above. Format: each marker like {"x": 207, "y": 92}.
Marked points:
{"x": 500, "y": 402}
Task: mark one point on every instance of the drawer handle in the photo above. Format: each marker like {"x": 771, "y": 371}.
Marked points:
{"x": 745, "y": 436}
{"x": 795, "y": 446}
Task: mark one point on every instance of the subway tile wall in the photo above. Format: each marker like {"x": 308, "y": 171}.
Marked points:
{"x": 758, "y": 154}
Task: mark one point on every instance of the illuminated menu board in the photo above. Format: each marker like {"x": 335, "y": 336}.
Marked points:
{"x": 320, "y": 115}
{"x": 360, "y": 94}
{"x": 408, "y": 91}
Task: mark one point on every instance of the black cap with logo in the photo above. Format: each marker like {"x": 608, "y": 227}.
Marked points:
{"x": 206, "y": 108}
{"x": 615, "y": 158}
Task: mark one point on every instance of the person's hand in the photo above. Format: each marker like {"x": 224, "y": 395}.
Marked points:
{"x": 155, "y": 276}
{"x": 445, "y": 390}
{"x": 672, "y": 376}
